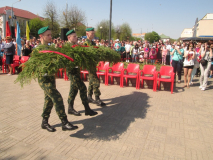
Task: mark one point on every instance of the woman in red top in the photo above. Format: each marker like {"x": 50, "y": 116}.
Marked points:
{"x": 153, "y": 55}
{"x": 146, "y": 52}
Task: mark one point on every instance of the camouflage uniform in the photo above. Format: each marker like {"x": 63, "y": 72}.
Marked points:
{"x": 76, "y": 84}
{"x": 52, "y": 97}
{"x": 94, "y": 83}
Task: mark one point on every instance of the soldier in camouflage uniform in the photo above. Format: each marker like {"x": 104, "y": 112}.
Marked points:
{"x": 76, "y": 84}
{"x": 94, "y": 83}
{"x": 52, "y": 96}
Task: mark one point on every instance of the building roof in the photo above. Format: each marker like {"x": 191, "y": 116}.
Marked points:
{"x": 20, "y": 13}
{"x": 209, "y": 15}
{"x": 138, "y": 34}
{"x": 163, "y": 36}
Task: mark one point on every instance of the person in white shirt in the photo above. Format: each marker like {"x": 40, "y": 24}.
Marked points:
{"x": 127, "y": 49}
{"x": 168, "y": 47}
{"x": 188, "y": 64}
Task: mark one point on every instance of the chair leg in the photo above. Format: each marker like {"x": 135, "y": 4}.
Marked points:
{"x": 172, "y": 85}
{"x": 159, "y": 85}
{"x": 142, "y": 83}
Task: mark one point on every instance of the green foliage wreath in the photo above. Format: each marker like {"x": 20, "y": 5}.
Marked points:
{"x": 49, "y": 63}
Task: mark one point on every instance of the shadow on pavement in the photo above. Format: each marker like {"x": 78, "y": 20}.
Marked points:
{"x": 116, "y": 119}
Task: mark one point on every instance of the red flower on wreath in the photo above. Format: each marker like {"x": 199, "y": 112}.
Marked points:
{"x": 75, "y": 46}
{"x": 82, "y": 46}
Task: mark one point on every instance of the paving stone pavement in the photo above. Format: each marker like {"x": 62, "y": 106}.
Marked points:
{"x": 135, "y": 125}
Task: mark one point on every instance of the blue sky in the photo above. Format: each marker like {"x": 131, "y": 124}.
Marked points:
{"x": 166, "y": 16}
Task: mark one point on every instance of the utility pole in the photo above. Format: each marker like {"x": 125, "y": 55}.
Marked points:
{"x": 110, "y": 21}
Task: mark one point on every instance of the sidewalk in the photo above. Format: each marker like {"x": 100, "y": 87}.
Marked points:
{"x": 135, "y": 125}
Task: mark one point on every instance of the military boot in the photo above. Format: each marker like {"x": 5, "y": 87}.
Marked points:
{"x": 99, "y": 102}
{"x": 66, "y": 125}
{"x": 71, "y": 110}
{"x": 90, "y": 99}
{"x": 47, "y": 126}
{"x": 88, "y": 111}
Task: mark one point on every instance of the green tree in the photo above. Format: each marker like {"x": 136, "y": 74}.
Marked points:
{"x": 102, "y": 30}
{"x": 51, "y": 18}
{"x": 149, "y": 37}
{"x": 34, "y": 25}
{"x": 54, "y": 26}
{"x": 73, "y": 17}
{"x": 156, "y": 36}
{"x": 81, "y": 30}
{"x": 152, "y": 37}
{"x": 125, "y": 32}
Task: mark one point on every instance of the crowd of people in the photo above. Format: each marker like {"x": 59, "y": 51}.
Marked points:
{"x": 184, "y": 56}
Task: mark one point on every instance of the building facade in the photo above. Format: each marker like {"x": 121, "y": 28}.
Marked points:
{"x": 202, "y": 28}
{"x": 12, "y": 15}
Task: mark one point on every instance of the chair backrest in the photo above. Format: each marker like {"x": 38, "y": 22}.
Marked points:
{"x": 103, "y": 66}
{"x": 133, "y": 68}
{"x": 166, "y": 70}
{"x": 118, "y": 67}
{"x": 24, "y": 59}
{"x": 149, "y": 69}
{"x": 16, "y": 58}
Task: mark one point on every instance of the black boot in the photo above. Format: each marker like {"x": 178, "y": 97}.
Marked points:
{"x": 66, "y": 125}
{"x": 88, "y": 111}
{"x": 47, "y": 126}
{"x": 90, "y": 99}
{"x": 71, "y": 110}
{"x": 99, "y": 102}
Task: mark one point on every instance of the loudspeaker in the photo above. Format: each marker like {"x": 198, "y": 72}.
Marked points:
{"x": 63, "y": 33}
{"x": 13, "y": 32}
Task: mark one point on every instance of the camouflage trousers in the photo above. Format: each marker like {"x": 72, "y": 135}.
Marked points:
{"x": 94, "y": 83}
{"x": 76, "y": 84}
{"x": 51, "y": 97}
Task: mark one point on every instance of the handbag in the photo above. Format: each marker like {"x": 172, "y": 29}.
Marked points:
{"x": 203, "y": 62}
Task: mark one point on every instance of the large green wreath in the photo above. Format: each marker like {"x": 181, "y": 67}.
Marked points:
{"x": 49, "y": 63}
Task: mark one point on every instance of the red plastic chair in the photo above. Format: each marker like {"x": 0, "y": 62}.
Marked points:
{"x": 15, "y": 63}
{"x": 84, "y": 72}
{"x": 60, "y": 72}
{"x": 104, "y": 67}
{"x": 165, "y": 71}
{"x": 65, "y": 75}
{"x": 118, "y": 67}
{"x": 24, "y": 59}
{"x": 147, "y": 70}
{"x": 131, "y": 68}
{"x": 4, "y": 66}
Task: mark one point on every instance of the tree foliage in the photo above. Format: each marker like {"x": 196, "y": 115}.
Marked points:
{"x": 34, "y": 25}
{"x": 51, "y": 18}
{"x": 102, "y": 30}
{"x": 73, "y": 17}
{"x": 152, "y": 37}
{"x": 125, "y": 32}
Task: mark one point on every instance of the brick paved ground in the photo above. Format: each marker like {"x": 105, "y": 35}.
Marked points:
{"x": 136, "y": 124}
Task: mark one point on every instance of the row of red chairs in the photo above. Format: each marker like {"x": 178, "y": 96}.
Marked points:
{"x": 132, "y": 71}
{"x": 16, "y": 62}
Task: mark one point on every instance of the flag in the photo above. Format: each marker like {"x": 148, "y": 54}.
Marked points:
{"x": 8, "y": 32}
{"x": 18, "y": 39}
{"x": 27, "y": 31}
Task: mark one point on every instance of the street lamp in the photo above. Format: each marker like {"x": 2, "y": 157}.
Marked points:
{"x": 12, "y": 11}
{"x": 101, "y": 31}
